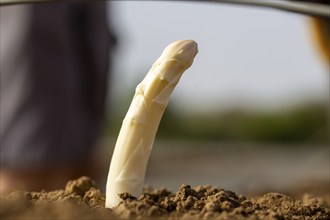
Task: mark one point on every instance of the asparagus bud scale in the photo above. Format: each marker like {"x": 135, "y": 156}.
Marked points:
{"x": 139, "y": 127}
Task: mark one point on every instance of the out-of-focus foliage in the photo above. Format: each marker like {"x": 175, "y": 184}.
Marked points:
{"x": 301, "y": 124}
{"x": 306, "y": 123}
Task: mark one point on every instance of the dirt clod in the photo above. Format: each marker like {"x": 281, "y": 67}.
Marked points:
{"x": 80, "y": 186}
{"x": 81, "y": 199}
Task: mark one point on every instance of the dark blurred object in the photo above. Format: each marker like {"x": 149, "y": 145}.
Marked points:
{"x": 313, "y": 1}
{"x": 54, "y": 74}
{"x": 321, "y": 30}
{"x": 297, "y": 6}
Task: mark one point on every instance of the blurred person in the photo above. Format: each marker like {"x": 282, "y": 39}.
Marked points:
{"x": 54, "y": 72}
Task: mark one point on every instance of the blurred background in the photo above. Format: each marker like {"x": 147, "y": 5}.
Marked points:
{"x": 250, "y": 115}
{"x": 252, "y": 111}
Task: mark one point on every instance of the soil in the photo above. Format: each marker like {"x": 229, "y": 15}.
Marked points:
{"x": 81, "y": 199}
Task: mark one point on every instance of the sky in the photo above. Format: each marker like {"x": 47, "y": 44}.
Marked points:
{"x": 249, "y": 57}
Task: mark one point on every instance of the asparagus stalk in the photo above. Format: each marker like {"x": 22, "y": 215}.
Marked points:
{"x": 139, "y": 127}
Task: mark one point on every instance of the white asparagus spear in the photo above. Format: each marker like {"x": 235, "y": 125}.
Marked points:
{"x": 139, "y": 128}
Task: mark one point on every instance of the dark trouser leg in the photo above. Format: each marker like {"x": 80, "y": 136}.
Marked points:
{"x": 54, "y": 62}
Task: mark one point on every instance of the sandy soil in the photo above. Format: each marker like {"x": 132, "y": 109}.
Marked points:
{"x": 81, "y": 199}
{"x": 228, "y": 181}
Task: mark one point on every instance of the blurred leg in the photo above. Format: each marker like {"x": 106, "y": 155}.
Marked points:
{"x": 54, "y": 63}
